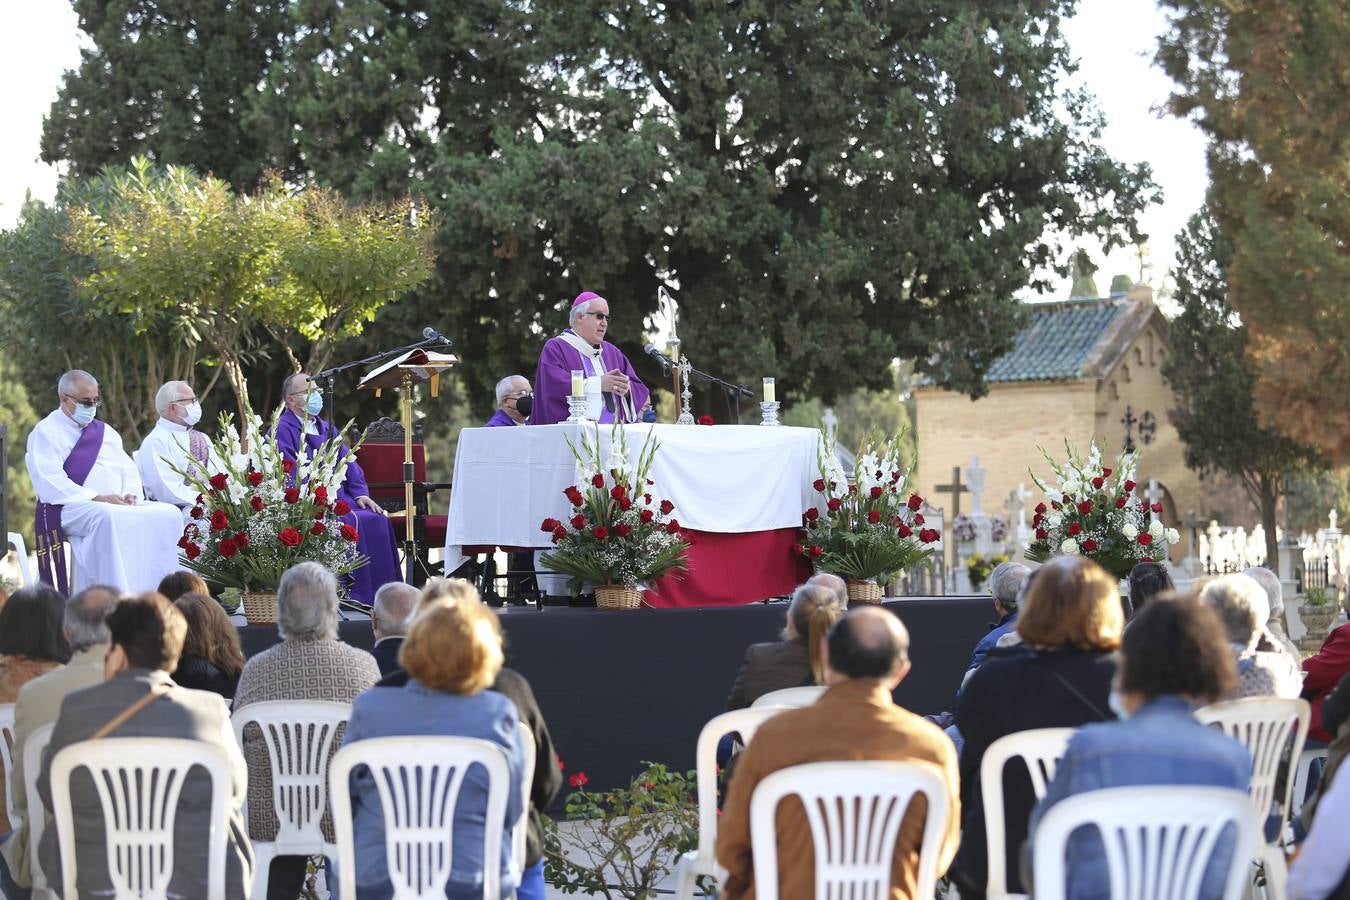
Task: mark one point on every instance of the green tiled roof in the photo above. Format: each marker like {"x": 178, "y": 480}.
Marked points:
{"x": 1059, "y": 340}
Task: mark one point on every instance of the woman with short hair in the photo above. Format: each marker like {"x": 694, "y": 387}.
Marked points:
{"x": 1243, "y": 609}
{"x": 796, "y": 660}
{"x": 452, "y": 654}
{"x": 1059, "y": 676}
{"x": 212, "y": 658}
{"x": 184, "y": 581}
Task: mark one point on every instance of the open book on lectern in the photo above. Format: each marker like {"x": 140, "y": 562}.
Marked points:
{"x": 422, "y": 365}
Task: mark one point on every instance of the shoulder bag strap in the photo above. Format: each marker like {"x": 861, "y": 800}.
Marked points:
{"x": 121, "y": 718}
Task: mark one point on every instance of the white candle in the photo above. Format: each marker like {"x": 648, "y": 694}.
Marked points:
{"x": 768, "y": 390}
{"x": 578, "y": 383}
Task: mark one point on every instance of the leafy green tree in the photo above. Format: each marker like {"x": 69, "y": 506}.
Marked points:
{"x": 1311, "y": 496}
{"x": 18, "y": 414}
{"x": 1213, "y": 382}
{"x": 1267, "y": 80}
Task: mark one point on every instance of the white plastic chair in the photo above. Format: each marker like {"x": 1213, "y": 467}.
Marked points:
{"x": 419, "y": 779}
{"x": 794, "y": 696}
{"x": 1041, "y": 749}
{"x": 1305, "y": 761}
{"x": 1273, "y": 730}
{"x": 7, "y": 758}
{"x": 300, "y": 737}
{"x": 33, "y": 749}
{"x": 521, "y": 829}
{"x": 703, "y": 860}
{"x": 25, "y": 567}
{"x": 1157, "y": 840}
{"x": 855, "y": 810}
{"x": 139, "y": 781}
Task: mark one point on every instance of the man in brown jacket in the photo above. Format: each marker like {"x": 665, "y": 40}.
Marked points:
{"x": 856, "y": 719}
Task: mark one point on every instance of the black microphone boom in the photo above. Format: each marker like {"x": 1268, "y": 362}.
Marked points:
{"x": 431, "y": 334}
{"x": 650, "y": 350}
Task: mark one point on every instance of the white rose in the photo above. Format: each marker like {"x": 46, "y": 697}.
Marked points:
{"x": 1172, "y": 535}
{"x": 1155, "y": 528}
{"x": 1054, "y": 519}
{"x": 1130, "y": 532}
{"x": 1069, "y": 547}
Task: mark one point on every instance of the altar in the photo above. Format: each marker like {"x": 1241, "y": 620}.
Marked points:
{"x": 739, "y": 493}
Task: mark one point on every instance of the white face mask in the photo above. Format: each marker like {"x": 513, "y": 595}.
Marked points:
{"x": 192, "y": 413}
{"x": 1117, "y": 704}
{"x": 83, "y": 415}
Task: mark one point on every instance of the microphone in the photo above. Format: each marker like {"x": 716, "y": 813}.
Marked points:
{"x": 431, "y": 334}
{"x": 661, "y": 358}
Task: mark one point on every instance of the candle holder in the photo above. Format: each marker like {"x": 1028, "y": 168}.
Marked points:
{"x": 576, "y": 409}
{"x": 686, "y": 416}
{"x": 768, "y": 412}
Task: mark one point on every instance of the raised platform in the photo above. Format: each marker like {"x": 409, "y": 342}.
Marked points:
{"x": 618, "y": 688}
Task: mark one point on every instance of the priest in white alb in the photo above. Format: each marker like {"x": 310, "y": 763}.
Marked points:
{"x": 175, "y": 446}
{"x": 89, "y": 493}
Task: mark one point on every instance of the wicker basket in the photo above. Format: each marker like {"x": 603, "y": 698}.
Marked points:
{"x": 863, "y": 591}
{"x": 260, "y": 608}
{"x": 614, "y": 596}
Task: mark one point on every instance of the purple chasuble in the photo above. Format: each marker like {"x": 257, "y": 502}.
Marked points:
{"x": 553, "y": 381}
{"x": 500, "y": 418}
{"x": 47, "y": 531}
{"x": 375, "y": 535}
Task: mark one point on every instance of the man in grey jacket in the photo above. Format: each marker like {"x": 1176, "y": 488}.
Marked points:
{"x": 146, "y": 637}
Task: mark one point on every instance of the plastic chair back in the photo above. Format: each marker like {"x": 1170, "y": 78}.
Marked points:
{"x": 1273, "y": 730}
{"x": 21, "y": 550}
{"x": 855, "y": 810}
{"x": 419, "y": 780}
{"x": 1158, "y": 840}
{"x": 7, "y": 756}
{"x": 521, "y": 829}
{"x": 138, "y": 781}
{"x": 33, "y": 748}
{"x": 300, "y": 737}
{"x": 794, "y": 696}
{"x": 1040, "y": 749}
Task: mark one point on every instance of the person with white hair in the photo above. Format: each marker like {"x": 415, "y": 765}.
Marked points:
{"x": 1244, "y": 609}
{"x": 175, "y": 442}
{"x": 394, "y": 605}
{"x": 613, "y": 390}
{"x": 1270, "y": 583}
{"x": 514, "y": 402}
{"x": 89, "y": 493}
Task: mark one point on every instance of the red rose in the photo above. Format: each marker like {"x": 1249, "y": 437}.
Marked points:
{"x": 573, "y": 496}
{"x": 1106, "y": 473}
{"x": 895, "y": 476}
{"x": 873, "y": 517}
{"x": 1041, "y": 534}
{"x": 1143, "y": 505}
{"x": 647, "y": 499}
{"x": 650, "y": 482}
{"x": 1089, "y": 546}
{"x": 219, "y": 520}
{"x": 559, "y": 533}
{"x": 815, "y": 550}
{"x": 288, "y": 466}
{"x": 341, "y": 508}
{"x": 241, "y": 540}
{"x": 1157, "y": 507}
{"x": 199, "y": 499}
{"x": 834, "y": 504}
{"x": 673, "y": 526}
{"x": 578, "y": 521}
{"x": 929, "y": 535}
{"x": 819, "y": 484}
{"x": 617, "y": 492}
{"x": 255, "y": 478}
{"x": 600, "y": 532}
{"x": 292, "y": 495}
{"x": 350, "y": 533}
{"x": 219, "y": 480}
{"x": 1075, "y": 529}
{"x": 875, "y": 492}
{"x": 290, "y": 537}
{"x": 598, "y": 480}
{"x": 1085, "y": 507}
{"x": 321, "y": 492}
{"x": 192, "y": 551}
{"x": 705, "y": 420}
{"x": 1145, "y": 538}
{"x": 905, "y": 531}
{"x": 915, "y": 502}
{"x": 318, "y": 528}
{"x": 646, "y": 516}
{"x": 183, "y": 542}
{"x": 622, "y": 530}
{"x": 549, "y": 524}
{"x": 320, "y": 514}
{"x": 1036, "y": 520}
{"x": 196, "y": 512}
{"x": 1121, "y": 501}
{"x": 811, "y": 514}
{"x": 1040, "y": 508}
{"x": 1098, "y": 482}
{"x": 625, "y": 504}
{"x": 1054, "y": 504}
{"x": 1129, "y": 486}
{"x": 579, "y": 780}
{"x": 797, "y": 550}
{"x": 257, "y": 504}
{"x": 667, "y": 507}
{"x": 227, "y": 548}
{"x": 918, "y": 518}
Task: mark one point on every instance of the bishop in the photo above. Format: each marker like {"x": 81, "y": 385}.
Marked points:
{"x": 612, "y": 388}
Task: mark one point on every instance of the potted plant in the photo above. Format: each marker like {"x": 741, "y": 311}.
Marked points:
{"x": 868, "y": 528}
{"x": 978, "y": 567}
{"x": 619, "y": 534}
{"x": 1093, "y": 512}
{"x": 263, "y": 514}
{"x": 1316, "y": 612}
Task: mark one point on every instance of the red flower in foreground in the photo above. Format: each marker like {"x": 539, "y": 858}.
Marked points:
{"x": 667, "y": 507}
{"x": 1089, "y": 546}
{"x": 646, "y": 516}
{"x": 918, "y": 518}
{"x": 549, "y": 524}
{"x": 559, "y": 533}
{"x": 257, "y": 504}
{"x": 819, "y": 484}
{"x": 598, "y": 480}
{"x": 1129, "y": 486}
{"x": 673, "y": 526}
{"x": 616, "y": 492}
{"x": 288, "y": 466}
{"x": 574, "y": 496}
{"x": 196, "y": 512}
{"x": 873, "y": 517}
{"x": 578, "y": 781}
{"x": 797, "y": 550}
{"x": 318, "y": 528}
{"x": 320, "y": 514}
{"x": 875, "y": 492}
{"x": 321, "y": 493}
{"x": 1040, "y": 508}
{"x": 292, "y": 495}
{"x": 1075, "y": 529}
{"x": 915, "y": 502}
{"x": 706, "y": 420}
{"x": 341, "y": 508}
{"x": 219, "y": 480}
{"x": 219, "y": 520}
{"x": 625, "y": 504}
{"x": 192, "y": 551}
{"x": 1041, "y": 534}
{"x": 811, "y": 514}
{"x": 350, "y": 533}
{"x": 183, "y": 542}
{"x": 1145, "y": 539}
{"x": 600, "y": 532}
{"x": 834, "y": 504}
{"x": 1098, "y": 482}
{"x": 905, "y": 531}
{"x": 578, "y": 521}
{"x": 255, "y": 478}
{"x": 815, "y": 550}
{"x": 1157, "y": 507}
{"x": 227, "y": 548}
{"x": 1085, "y": 507}
{"x": 241, "y": 540}
{"x": 1106, "y": 473}
{"x": 290, "y": 537}
{"x": 929, "y": 535}
{"x": 622, "y": 529}
{"x": 1121, "y": 501}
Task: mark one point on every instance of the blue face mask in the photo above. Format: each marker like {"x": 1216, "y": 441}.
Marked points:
{"x": 314, "y": 404}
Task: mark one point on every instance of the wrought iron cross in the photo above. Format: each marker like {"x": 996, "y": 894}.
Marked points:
{"x": 1129, "y": 421}
{"x": 1148, "y": 427}
{"x": 956, "y": 489}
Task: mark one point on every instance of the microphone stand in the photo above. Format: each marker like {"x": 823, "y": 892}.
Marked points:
{"x": 327, "y": 375}
{"x": 734, "y": 392}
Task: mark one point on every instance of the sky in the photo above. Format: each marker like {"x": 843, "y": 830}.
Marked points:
{"x": 1113, "y": 40}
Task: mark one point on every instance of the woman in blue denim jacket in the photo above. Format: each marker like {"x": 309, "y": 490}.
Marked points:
{"x": 1174, "y": 656}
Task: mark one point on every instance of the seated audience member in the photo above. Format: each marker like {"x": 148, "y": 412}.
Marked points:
{"x": 310, "y": 663}
{"x": 184, "y": 581}
{"x": 146, "y": 636}
{"x": 1275, "y": 627}
{"x": 1323, "y": 671}
{"x": 1060, "y": 677}
{"x": 547, "y": 773}
{"x": 212, "y": 658}
{"x": 867, "y": 655}
{"x": 1005, "y": 585}
{"x": 1173, "y": 657}
{"x": 38, "y": 704}
{"x": 834, "y": 584}
{"x": 514, "y": 401}
{"x": 796, "y": 660}
{"x": 452, "y": 655}
{"x": 1320, "y": 871}
{"x": 389, "y": 616}
{"x": 1147, "y": 580}
{"x": 1243, "y": 609}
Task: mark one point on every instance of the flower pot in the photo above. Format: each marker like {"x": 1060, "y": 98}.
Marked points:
{"x": 1317, "y": 620}
{"x": 260, "y": 607}
{"x": 616, "y": 596}
{"x": 862, "y": 591}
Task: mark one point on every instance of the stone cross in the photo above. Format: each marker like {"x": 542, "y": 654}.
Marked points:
{"x": 1017, "y": 509}
{"x": 956, "y": 489}
{"x": 975, "y": 478}
{"x": 830, "y": 421}
{"x": 1332, "y": 518}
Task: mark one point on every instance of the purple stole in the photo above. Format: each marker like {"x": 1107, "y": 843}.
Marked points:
{"x": 51, "y": 552}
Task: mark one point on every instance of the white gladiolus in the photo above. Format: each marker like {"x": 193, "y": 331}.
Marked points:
{"x": 1129, "y": 531}
{"x": 1069, "y": 547}
{"x": 1054, "y": 519}
{"x": 1155, "y": 528}
{"x": 1072, "y": 488}
{"x": 1172, "y": 535}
